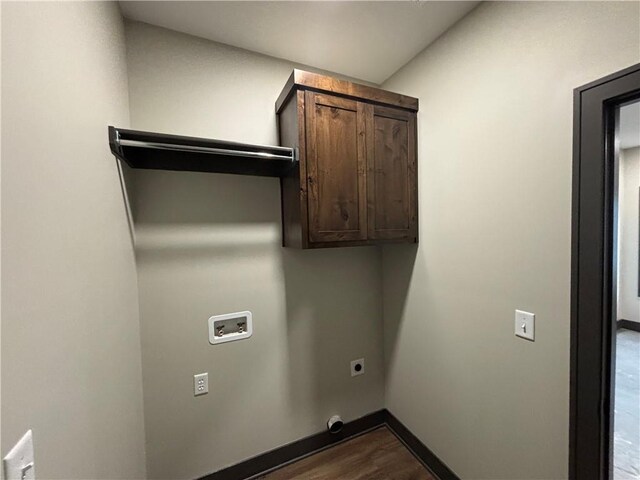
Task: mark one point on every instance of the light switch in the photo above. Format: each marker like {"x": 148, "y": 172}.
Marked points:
{"x": 19, "y": 464}
{"x": 525, "y": 325}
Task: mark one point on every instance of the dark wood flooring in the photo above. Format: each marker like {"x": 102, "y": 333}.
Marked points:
{"x": 377, "y": 455}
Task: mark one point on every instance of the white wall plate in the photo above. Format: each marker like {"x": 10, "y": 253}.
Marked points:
{"x": 525, "y": 325}
{"x": 230, "y": 327}
{"x": 201, "y": 384}
{"x": 19, "y": 464}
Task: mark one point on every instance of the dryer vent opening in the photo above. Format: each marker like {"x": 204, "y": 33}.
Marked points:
{"x": 334, "y": 424}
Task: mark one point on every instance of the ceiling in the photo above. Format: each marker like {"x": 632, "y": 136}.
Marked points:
{"x": 367, "y": 40}
{"x": 629, "y": 133}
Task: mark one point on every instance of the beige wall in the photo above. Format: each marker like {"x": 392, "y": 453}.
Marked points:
{"x": 495, "y": 147}
{"x": 495, "y": 176}
{"x": 71, "y": 366}
{"x": 210, "y": 244}
{"x": 628, "y": 301}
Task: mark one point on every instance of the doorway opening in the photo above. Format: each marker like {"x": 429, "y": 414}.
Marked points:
{"x": 626, "y": 394}
{"x": 605, "y": 370}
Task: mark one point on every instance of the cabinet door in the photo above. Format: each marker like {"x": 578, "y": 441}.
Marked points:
{"x": 391, "y": 174}
{"x": 335, "y": 129}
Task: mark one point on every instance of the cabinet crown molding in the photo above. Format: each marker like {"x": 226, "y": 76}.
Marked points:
{"x": 302, "y": 80}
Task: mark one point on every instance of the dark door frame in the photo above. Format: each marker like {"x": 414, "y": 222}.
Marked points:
{"x": 592, "y": 299}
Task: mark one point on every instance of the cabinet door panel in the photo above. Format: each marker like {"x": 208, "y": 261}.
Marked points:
{"x": 335, "y": 168}
{"x": 392, "y": 183}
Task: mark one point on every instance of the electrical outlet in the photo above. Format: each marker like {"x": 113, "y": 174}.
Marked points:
{"x": 357, "y": 367}
{"x": 19, "y": 464}
{"x": 200, "y": 384}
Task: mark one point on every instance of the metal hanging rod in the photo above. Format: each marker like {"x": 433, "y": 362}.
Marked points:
{"x": 149, "y": 150}
{"x": 212, "y": 150}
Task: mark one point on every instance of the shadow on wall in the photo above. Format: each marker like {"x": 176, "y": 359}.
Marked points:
{"x": 205, "y": 245}
{"x": 192, "y": 197}
{"x": 185, "y": 214}
{"x": 396, "y": 284}
{"x": 333, "y": 304}
{"x": 211, "y": 244}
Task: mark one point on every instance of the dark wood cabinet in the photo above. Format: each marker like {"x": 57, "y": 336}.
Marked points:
{"x": 391, "y": 174}
{"x": 356, "y": 180}
{"x": 336, "y": 162}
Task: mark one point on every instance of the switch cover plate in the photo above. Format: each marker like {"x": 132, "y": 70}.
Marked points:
{"x": 19, "y": 464}
{"x": 525, "y": 325}
{"x": 200, "y": 384}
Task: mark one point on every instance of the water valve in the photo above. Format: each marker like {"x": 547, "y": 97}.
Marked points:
{"x": 230, "y": 327}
